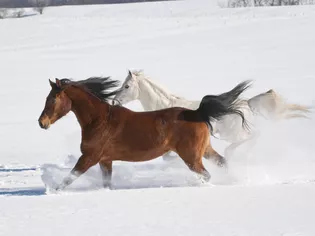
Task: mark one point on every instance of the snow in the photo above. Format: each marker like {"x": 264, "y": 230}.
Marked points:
{"x": 175, "y": 211}
{"x": 193, "y": 48}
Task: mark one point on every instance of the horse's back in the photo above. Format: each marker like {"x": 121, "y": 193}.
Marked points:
{"x": 167, "y": 117}
{"x": 268, "y": 104}
{"x": 164, "y": 122}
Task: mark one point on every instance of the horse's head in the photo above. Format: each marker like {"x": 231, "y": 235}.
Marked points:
{"x": 129, "y": 90}
{"x": 58, "y": 104}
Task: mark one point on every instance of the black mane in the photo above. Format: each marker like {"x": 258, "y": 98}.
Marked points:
{"x": 97, "y": 86}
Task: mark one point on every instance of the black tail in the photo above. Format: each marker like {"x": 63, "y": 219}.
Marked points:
{"x": 214, "y": 107}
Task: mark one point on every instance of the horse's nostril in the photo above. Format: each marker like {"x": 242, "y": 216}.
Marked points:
{"x": 40, "y": 124}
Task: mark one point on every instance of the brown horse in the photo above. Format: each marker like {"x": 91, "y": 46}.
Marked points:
{"x": 111, "y": 133}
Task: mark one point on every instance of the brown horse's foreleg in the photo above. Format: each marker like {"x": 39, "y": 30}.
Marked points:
{"x": 106, "y": 168}
{"x": 210, "y": 153}
{"x": 83, "y": 164}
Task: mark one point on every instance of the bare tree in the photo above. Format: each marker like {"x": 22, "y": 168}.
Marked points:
{"x": 18, "y": 13}
{"x": 40, "y": 6}
{"x": 3, "y": 13}
{"x": 258, "y": 3}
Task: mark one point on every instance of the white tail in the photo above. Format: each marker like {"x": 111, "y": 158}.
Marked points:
{"x": 271, "y": 105}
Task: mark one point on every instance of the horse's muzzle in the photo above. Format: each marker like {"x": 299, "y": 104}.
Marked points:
{"x": 44, "y": 122}
{"x": 116, "y": 102}
{"x": 43, "y": 126}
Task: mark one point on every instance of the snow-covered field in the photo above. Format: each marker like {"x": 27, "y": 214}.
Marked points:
{"x": 193, "y": 48}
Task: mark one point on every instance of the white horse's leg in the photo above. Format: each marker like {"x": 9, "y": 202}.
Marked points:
{"x": 168, "y": 157}
{"x": 231, "y": 148}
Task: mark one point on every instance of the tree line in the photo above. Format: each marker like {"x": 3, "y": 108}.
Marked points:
{"x": 36, "y": 3}
{"x": 261, "y": 3}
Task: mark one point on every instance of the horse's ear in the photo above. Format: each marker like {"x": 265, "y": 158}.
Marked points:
{"x": 129, "y": 73}
{"x": 58, "y": 83}
{"x": 52, "y": 84}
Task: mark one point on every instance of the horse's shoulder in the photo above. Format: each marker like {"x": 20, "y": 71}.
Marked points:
{"x": 120, "y": 112}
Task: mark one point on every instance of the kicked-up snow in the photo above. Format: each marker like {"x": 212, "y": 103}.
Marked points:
{"x": 192, "y": 48}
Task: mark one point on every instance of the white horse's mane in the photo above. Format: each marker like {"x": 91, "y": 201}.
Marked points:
{"x": 140, "y": 75}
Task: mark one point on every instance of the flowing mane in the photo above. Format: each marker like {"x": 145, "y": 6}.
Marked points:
{"x": 155, "y": 85}
{"x": 96, "y": 86}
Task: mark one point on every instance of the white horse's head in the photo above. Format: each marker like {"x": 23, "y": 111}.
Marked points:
{"x": 130, "y": 90}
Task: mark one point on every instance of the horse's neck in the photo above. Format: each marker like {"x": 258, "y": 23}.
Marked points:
{"x": 153, "y": 97}
{"x": 84, "y": 105}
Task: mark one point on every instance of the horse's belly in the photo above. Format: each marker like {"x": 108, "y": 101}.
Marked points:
{"x": 143, "y": 155}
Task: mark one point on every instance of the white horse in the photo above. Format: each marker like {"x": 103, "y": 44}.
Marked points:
{"x": 270, "y": 105}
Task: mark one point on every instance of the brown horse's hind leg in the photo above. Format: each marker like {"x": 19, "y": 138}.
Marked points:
{"x": 83, "y": 164}
{"x": 106, "y": 168}
{"x": 191, "y": 149}
{"x": 197, "y": 167}
{"x": 210, "y": 153}
{"x": 194, "y": 163}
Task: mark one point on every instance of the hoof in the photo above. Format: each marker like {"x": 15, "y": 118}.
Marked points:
{"x": 205, "y": 177}
{"x": 207, "y": 184}
{"x": 53, "y": 190}
{"x": 108, "y": 186}
{"x": 222, "y": 163}
{"x": 204, "y": 181}
{"x": 59, "y": 188}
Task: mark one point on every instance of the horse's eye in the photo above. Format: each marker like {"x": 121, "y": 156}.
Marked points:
{"x": 127, "y": 86}
{"x": 53, "y": 100}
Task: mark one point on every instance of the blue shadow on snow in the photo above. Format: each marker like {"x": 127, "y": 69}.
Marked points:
{"x": 23, "y": 192}
{"x": 17, "y": 170}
